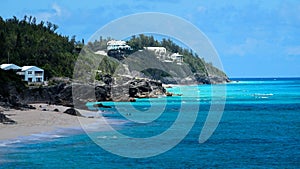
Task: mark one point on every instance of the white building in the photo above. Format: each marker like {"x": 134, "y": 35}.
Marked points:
{"x": 176, "y": 57}
{"x": 32, "y": 74}
{"x": 160, "y": 51}
{"x": 161, "y": 54}
{"x": 10, "y": 67}
{"x": 117, "y": 45}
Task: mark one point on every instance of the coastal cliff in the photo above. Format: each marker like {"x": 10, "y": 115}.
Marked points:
{"x": 15, "y": 94}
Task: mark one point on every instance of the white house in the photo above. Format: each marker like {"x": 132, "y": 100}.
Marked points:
{"x": 117, "y": 45}
{"x": 176, "y": 57}
{"x": 157, "y": 50}
{"x": 32, "y": 74}
{"x": 10, "y": 67}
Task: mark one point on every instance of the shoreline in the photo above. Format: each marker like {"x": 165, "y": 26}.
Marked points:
{"x": 43, "y": 119}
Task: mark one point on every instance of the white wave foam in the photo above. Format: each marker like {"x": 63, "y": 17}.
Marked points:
{"x": 106, "y": 137}
{"x": 263, "y": 94}
{"x": 9, "y": 142}
{"x": 102, "y": 137}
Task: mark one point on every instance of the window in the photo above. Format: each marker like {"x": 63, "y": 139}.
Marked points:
{"x": 38, "y": 73}
{"x": 29, "y": 72}
{"x": 38, "y": 79}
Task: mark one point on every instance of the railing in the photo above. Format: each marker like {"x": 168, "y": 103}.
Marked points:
{"x": 38, "y": 74}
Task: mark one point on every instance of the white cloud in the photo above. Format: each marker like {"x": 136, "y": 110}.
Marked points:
{"x": 294, "y": 50}
{"x": 51, "y": 14}
{"x": 58, "y": 11}
{"x": 201, "y": 9}
{"x": 248, "y": 46}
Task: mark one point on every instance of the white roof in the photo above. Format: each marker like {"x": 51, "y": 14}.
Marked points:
{"x": 10, "y": 66}
{"x": 176, "y": 54}
{"x": 155, "y": 48}
{"x": 25, "y": 68}
{"x": 101, "y": 52}
{"x": 116, "y": 42}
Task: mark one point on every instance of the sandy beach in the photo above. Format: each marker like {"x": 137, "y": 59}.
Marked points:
{"x": 45, "y": 119}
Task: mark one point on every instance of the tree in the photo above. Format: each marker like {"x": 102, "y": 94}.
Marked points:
{"x": 26, "y": 43}
{"x": 33, "y": 20}
{"x": 55, "y": 27}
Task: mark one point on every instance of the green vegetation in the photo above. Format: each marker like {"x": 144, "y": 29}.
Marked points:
{"x": 97, "y": 45}
{"x": 26, "y": 42}
{"x": 108, "y": 65}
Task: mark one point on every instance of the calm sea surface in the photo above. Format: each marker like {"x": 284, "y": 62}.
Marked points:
{"x": 259, "y": 128}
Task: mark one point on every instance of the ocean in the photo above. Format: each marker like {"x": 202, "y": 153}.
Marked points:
{"x": 259, "y": 128}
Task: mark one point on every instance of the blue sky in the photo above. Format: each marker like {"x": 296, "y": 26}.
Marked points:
{"x": 253, "y": 38}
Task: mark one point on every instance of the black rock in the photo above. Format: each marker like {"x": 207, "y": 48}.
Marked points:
{"x": 133, "y": 91}
{"x": 145, "y": 88}
{"x": 102, "y": 93}
{"x": 101, "y": 105}
{"x": 5, "y": 120}
{"x": 72, "y": 112}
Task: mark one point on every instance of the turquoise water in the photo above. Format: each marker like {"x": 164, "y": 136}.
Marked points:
{"x": 259, "y": 128}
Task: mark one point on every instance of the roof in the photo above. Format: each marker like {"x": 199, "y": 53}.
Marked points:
{"x": 155, "y": 48}
{"x": 176, "y": 55}
{"x": 116, "y": 42}
{"x": 101, "y": 52}
{"x": 10, "y": 66}
{"x": 25, "y": 68}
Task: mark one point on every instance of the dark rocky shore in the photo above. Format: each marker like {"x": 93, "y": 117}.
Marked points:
{"x": 15, "y": 94}
{"x": 19, "y": 96}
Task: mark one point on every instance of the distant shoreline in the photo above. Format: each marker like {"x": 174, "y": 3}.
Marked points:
{"x": 263, "y": 78}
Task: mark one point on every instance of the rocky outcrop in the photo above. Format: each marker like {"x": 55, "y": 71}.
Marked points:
{"x": 6, "y": 120}
{"x": 72, "y": 112}
{"x": 61, "y": 94}
{"x": 145, "y": 88}
{"x": 18, "y": 96}
{"x": 11, "y": 96}
{"x": 98, "y": 105}
{"x": 127, "y": 89}
{"x": 201, "y": 79}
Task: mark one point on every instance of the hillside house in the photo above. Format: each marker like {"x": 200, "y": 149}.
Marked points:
{"x": 159, "y": 51}
{"x": 176, "y": 57}
{"x": 117, "y": 49}
{"x": 10, "y": 67}
{"x": 117, "y": 45}
{"x": 32, "y": 74}
{"x": 161, "y": 54}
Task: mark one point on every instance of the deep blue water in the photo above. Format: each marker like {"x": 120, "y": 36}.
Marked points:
{"x": 259, "y": 128}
